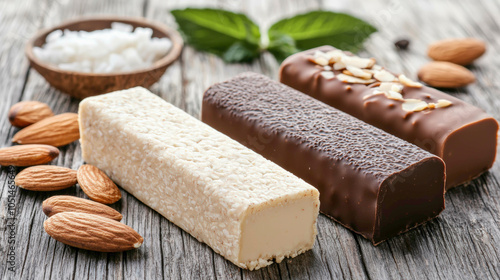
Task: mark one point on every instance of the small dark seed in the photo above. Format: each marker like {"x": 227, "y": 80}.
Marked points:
{"x": 402, "y": 44}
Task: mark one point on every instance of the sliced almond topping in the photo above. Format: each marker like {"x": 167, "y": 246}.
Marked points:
{"x": 411, "y": 100}
{"x": 321, "y": 54}
{"x": 394, "y": 95}
{"x": 397, "y": 87}
{"x": 409, "y": 83}
{"x": 327, "y": 75}
{"x": 347, "y": 72}
{"x": 335, "y": 55}
{"x": 358, "y": 61}
{"x": 443, "y": 103}
{"x": 377, "y": 67}
{"x": 350, "y": 79}
{"x": 386, "y": 86}
{"x": 414, "y": 105}
{"x": 384, "y": 76}
{"x": 338, "y": 66}
{"x": 320, "y": 58}
{"x": 358, "y": 72}
{"x": 320, "y": 61}
{"x": 375, "y": 92}
{"x": 327, "y": 68}
{"x": 431, "y": 105}
{"x": 371, "y": 62}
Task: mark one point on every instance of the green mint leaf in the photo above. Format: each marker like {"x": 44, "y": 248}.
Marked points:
{"x": 232, "y": 36}
{"x": 318, "y": 28}
{"x": 281, "y": 46}
{"x": 240, "y": 52}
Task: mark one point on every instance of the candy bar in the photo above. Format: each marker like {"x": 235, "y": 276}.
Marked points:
{"x": 464, "y": 136}
{"x": 370, "y": 181}
{"x": 245, "y": 207}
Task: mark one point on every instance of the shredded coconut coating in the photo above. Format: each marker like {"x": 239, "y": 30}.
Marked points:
{"x": 195, "y": 176}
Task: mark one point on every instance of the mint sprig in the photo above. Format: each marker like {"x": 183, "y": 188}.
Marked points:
{"x": 229, "y": 35}
{"x": 318, "y": 28}
{"x": 236, "y": 38}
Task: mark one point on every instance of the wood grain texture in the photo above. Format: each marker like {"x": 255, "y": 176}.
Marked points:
{"x": 463, "y": 243}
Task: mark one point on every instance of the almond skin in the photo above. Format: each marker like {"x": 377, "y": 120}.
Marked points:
{"x": 97, "y": 185}
{"x": 445, "y": 75}
{"x": 26, "y": 113}
{"x": 92, "y": 232}
{"x": 27, "y": 155}
{"x": 459, "y": 51}
{"x": 57, "y": 130}
{"x": 46, "y": 178}
{"x": 66, "y": 203}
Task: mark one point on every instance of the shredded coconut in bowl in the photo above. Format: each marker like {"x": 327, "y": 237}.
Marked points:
{"x": 117, "y": 49}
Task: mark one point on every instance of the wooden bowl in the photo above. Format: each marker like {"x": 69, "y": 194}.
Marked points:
{"x": 81, "y": 85}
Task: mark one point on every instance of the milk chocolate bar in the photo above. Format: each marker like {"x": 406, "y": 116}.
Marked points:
{"x": 464, "y": 136}
{"x": 248, "y": 209}
{"x": 370, "y": 181}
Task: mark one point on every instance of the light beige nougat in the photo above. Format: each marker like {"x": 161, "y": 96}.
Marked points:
{"x": 245, "y": 207}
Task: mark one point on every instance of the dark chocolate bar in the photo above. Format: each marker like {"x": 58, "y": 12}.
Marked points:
{"x": 370, "y": 181}
{"x": 464, "y": 136}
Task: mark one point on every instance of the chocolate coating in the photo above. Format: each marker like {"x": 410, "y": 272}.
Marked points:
{"x": 370, "y": 181}
{"x": 464, "y": 136}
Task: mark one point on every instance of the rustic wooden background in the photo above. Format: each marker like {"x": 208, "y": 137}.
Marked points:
{"x": 463, "y": 243}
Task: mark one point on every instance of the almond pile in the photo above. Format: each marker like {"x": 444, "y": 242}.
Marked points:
{"x": 58, "y": 130}
{"x": 92, "y": 232}
{"x": 97, "y": 185}
{"x": 46, "y": 178}
{"x": 27, "y": 155}
{"x": 459, "y": 51}
{"x": 356, "y": 70}
{"x": 66, "y": 203}
{"x": 40, "y": 126}
{"x": 74, "y": 221}
{"x": 445, "y": 74}
{"x": 25, "y": 113}
{"x": 449, "y": 57}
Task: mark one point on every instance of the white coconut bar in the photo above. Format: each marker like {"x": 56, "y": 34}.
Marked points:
{"x": 245, "y": 207}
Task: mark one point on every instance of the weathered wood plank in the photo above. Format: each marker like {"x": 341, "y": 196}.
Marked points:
{"x": 61, "y": 261}
{"x": 14, "y": 30}
{"x": 461, "y": 244}
{"x": 200, "y": 71}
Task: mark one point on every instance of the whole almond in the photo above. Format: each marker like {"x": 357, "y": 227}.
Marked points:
{"x": 92, "y": 232}
{"x": 67, "y": 203}
{"x": 26, "y": 113}
{"x": 57, "y": 131}
{"x": 445, "y": 74}
{"x": 27, "y": 155}
{"x": 97, "y": 185}
{"x": 46, "y": 178}
{"x": 459, "y": 51}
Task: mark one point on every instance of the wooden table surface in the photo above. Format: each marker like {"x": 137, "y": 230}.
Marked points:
{"x": 463, "y": 243}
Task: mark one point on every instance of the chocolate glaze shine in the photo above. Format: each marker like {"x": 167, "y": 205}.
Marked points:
{"x": 464, "y": 136}
{"x": 372, "y": 182}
